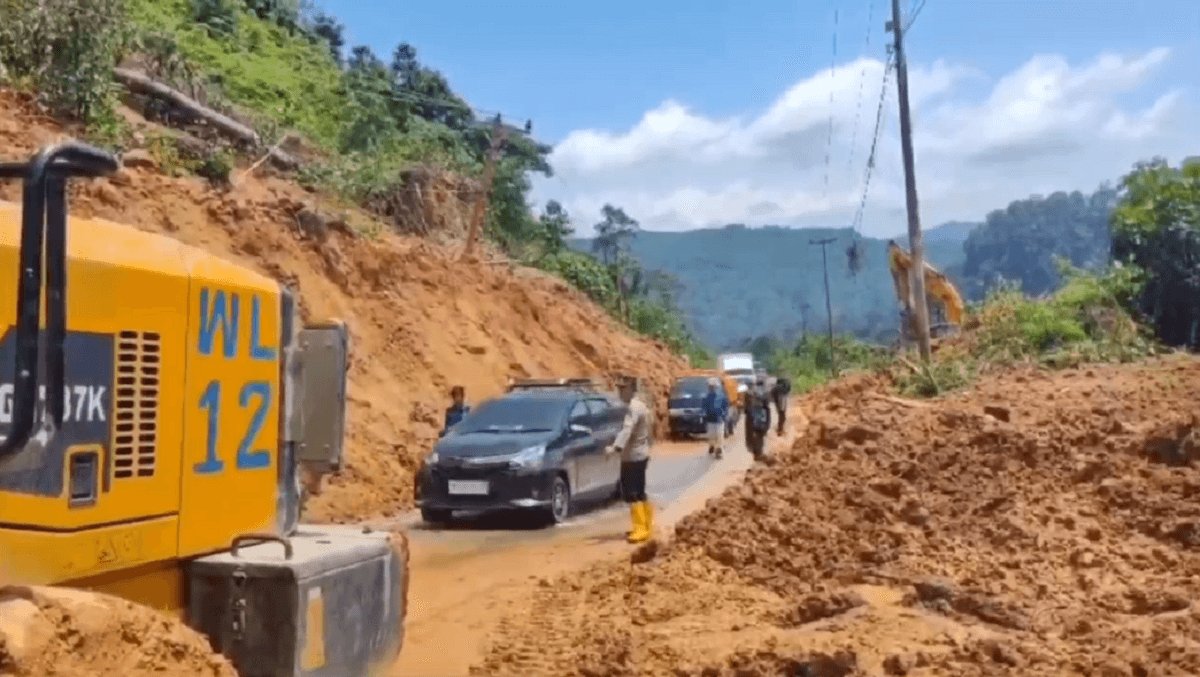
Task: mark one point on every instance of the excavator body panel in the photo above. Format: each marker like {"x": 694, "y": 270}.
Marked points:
{"x": 182, "y": 411}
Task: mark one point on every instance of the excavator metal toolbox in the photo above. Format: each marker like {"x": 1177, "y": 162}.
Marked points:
{"x": 314, "y": 604}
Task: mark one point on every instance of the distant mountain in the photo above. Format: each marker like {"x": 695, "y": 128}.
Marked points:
{"x": 954, "y": 231}
{"x": 739, "y": 282}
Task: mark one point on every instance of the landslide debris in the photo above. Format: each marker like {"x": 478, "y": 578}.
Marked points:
{"x": 420, "y": 320}
{"x": 72, "y": 633}
{"x": 1040, "y": 523}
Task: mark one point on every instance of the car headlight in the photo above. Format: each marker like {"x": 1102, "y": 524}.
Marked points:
{"x": 432, "y": 458}
{"x": 742, "y": 388}
{"x": 678, "y": 412}
{"x": 528, "y": 458}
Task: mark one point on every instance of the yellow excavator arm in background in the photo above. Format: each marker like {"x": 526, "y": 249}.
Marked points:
{"x": 937, "y": 284}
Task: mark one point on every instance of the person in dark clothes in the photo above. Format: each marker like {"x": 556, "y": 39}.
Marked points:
{"x": 779, "y": 395}
{"x": 456, "y": 411}
{"x": 758, "y": 417}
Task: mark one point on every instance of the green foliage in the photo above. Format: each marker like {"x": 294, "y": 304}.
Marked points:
{"x": 642, "y": 299}
{"x": 936, "y": 377}
{"x": 1156, "y": 230}
{"x": 585, "y": 274}
{"x": 807, "y": 361}
{"x": 1084, "y": 321}
{"x": 1022, "y": 241}
{"x": 217, "y": 166}
{"x": 258, "y": 65}
{"x": 165, "y": 151}
{"x": 66, "y": 49}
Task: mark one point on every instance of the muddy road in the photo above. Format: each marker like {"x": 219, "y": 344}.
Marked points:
{"x": 466, "y": 576}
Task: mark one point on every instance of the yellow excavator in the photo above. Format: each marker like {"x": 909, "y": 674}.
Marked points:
{"x": 937, "y": 286}
{"x": 157, "y": 405}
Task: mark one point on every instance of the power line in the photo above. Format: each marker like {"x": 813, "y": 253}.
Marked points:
{"x": 862, "y": 81}
{"x": 832, "y": 79}
{"x": 887, "y": 69}
{"x": 913, "y": 18}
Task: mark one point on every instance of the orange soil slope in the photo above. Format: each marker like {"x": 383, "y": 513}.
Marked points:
{"x": 1037, "y": 524}
{"x": 419, "y": 321}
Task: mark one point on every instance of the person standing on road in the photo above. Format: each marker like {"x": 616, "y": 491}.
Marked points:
{"x": 715, "y": 409}
{"x": 633, "y": 443}
{"x": 779, "y": 394}
{"x": 456, "y": 411}
{"x": 758, "y": 417}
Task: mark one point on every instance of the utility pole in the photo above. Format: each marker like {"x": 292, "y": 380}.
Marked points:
{"x": 915, "y": 243}
{"x": 499, "y": 139}
{"x": 828, "y": 305}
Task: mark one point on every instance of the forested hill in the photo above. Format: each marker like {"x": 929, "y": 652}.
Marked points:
{"x": 737, "y": 282}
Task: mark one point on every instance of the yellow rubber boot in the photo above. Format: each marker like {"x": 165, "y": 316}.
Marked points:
{"x": 635, "y": 516}
{"x": 641, "y": 523}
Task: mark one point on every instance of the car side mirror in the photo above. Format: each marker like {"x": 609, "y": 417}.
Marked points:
{"x": 579, "y": 430}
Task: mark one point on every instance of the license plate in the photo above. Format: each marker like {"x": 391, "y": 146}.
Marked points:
{"x": 468, "y": 487}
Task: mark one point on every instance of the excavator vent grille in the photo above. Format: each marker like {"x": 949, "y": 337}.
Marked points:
{"x": 135, "y": 417}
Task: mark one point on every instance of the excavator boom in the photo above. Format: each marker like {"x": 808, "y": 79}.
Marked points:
{"x": 937, "y": 284}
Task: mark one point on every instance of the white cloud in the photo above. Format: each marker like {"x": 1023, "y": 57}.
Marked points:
{"x": 1049, "y": 125}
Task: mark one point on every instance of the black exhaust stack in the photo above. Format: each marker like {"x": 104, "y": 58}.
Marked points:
{"x": 44, "y": 223}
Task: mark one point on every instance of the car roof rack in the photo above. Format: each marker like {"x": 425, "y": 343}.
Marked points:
{"x": 581, "y": 384}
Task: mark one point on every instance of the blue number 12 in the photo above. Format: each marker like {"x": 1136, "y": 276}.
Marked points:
{"x": 247, "y": 457}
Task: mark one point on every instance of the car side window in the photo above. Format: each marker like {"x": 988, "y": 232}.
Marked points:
{"x": 598, "y": 408}
{"x": 579, "y": 414}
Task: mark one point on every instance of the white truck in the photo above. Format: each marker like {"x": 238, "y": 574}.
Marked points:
{"x": 738, "y": 365}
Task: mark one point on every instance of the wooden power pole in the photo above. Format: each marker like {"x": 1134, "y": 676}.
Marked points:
{"x": 828, "y": 305}
{"x": 917, "y": 247}
{"x": 495, "y": 151}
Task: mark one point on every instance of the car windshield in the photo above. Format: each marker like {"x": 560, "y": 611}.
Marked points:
{"x": 693, "y": 387}
{"x": 516, "y": 414}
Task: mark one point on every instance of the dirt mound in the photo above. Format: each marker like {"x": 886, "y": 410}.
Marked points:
{"x": 420, "y": 320}
{"x": 70, "y": 633}
{"x": 1038, "y": 524}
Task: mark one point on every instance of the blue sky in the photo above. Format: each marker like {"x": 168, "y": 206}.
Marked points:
{"x": 721, "y": 66}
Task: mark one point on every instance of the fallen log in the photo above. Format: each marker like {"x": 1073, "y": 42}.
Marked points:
{"x": 140, "y": 84}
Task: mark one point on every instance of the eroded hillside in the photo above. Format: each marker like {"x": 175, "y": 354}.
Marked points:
{"x": 420, "y": 320}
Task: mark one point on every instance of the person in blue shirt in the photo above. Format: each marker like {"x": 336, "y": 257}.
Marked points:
{"x": 715, "y": 406}
{"x": 456, "y": 411}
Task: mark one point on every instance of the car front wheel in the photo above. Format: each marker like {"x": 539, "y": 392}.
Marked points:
{"x": 560, "y": 500}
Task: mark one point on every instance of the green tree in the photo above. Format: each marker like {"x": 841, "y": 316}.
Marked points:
{"x": 1022, "y": 241}
{"x": 555, "y": 227}
{"x": 328, "y": 29}
{"x": 613, "y": 234}
{"x": 1156, "y": 228}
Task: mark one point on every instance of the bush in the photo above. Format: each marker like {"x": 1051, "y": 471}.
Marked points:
{"x": 807, "y": 362}
{"x": 1084, "y": 321}
{"x": 66, "y": 49}
{"x": 585, "y": 274}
